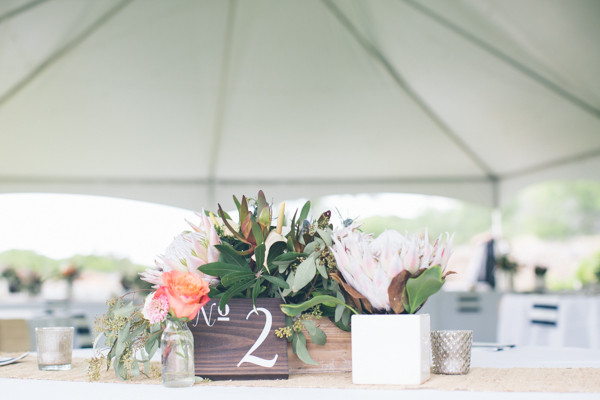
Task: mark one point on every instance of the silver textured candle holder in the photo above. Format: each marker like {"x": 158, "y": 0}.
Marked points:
{"x": 451, "y": 352}
{"x": 54, "y": 348}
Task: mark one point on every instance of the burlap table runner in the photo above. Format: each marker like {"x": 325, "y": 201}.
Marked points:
{"x": 479, "y": 379}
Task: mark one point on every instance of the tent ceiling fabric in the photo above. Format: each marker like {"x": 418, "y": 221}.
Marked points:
{"x": 186, "y": 102}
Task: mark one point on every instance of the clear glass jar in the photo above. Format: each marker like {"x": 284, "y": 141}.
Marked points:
{"x": 177, "y": 345}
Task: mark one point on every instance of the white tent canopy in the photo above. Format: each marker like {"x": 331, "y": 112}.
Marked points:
{"x": 186, "y": 102}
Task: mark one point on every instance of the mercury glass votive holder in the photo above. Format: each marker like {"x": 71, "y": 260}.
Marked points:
{"x": 451, "y": 352}
{"x": 54, "y": 347}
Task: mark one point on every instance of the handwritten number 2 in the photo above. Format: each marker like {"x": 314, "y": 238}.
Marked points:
{"x": 248, "y": 357}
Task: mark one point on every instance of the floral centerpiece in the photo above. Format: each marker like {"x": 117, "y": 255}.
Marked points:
{"x": 133, "y": 331}
{"x": 316, "y": 269}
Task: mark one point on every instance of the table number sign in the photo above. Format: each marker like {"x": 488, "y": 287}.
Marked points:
{"x": 239, "y": 342}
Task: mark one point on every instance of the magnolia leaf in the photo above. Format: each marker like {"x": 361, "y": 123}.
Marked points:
{"x": 243, "y": 209}
{"x": 290, "y": 242}
{"x": 304, "y": 212}
{"x": 237, "y": 202}
{"x": 256, "y": 290}
{"x": 259, "y": 252}
{"x": 325, "y": 236}
{"x": 396, "y": 290}
{"x": 305, "y": 273}
{"x": 261, "y": 201}
{"x": 220, "y": 268}
{"x": 234, "y": 277}
{"x": 234, "y": 232}
{"x": 264, "y": 217}
{"x": 246, "y": 227}
{"x": 257, "y": 233}
{"x": 232, "y": 291}
{"x": 358, "y": 299}
{"x": 316, "y": 334}
{"x": 419, "y": 289}
{"x": 299, "y": 347}
{"x": 230, "y": 255}
{"x": 329, "y": 301}
{"x": 275, "y": 251}
{"x": 277, "y": 281}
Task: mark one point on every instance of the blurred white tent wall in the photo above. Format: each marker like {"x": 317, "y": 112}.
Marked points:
{"x": 185, "y": 102}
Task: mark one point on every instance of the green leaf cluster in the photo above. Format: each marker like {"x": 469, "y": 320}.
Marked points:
{"x": 131, "y": 339}
{"x": 294, "y": 268}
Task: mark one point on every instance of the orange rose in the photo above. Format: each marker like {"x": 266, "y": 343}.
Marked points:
{"x": 187, "y": 293}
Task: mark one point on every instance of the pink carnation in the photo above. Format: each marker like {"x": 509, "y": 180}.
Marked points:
{"x": 156, "y": 306}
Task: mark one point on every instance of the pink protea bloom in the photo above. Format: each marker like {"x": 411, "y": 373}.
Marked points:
{"x": 156, "y": 306}
{"x": 188, "y": 251}
{"x": 369, "y": 265}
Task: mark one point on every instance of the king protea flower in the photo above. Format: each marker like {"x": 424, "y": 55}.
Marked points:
{"x": 369, "y": 265}
{"x": 187, "y": 252}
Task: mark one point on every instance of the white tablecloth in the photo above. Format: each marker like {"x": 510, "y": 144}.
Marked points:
{"x": 526, "y": 356}
{"x": 550, "y": 320}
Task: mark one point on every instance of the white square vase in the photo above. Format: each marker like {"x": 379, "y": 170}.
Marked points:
{"x": 391, "y": 349}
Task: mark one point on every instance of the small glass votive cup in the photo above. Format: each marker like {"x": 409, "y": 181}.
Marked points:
{"x": 451, "y": 352}
{"x": 54, "y": 347}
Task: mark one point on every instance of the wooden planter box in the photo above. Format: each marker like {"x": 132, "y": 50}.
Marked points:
{"x": 334, "y": 356}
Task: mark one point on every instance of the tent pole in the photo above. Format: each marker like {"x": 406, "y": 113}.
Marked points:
{"x": 62, "y": 52}
{"x": 19, "y": 10}
{"x": 221, "y": 105}
{"x": 565, "y": 94}
{"x": 404, "y": 85}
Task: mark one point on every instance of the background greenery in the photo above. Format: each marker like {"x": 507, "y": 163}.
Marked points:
{"x": 549, "y": 211}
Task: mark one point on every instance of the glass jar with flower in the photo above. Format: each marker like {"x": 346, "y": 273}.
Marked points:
{"x": 177, "y": 301}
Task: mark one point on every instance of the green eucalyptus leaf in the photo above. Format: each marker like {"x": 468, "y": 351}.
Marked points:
{"x": 124, "y": 311}
{"x": 322, "y": 270}
{"x": 325, "y": 236}
{"x": 316, "y": 334}
{"x": 152, "y": 345}
{"x": 346, "y": 318}
{"x": 311, "y": 247}
{"x": 287, "y": 258}
{"x": 290, "y": 281}
{"x": 299, "y": 347}
{"x": 339, "y": 310}
{"x": 419, "y": 289}
{"x": 135, "y": 369}
{"x": 277, "y": 281}
{"x": 304, "y": 212}
{"x": 305, "y": 273}
{"x": 121, "y": 340}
